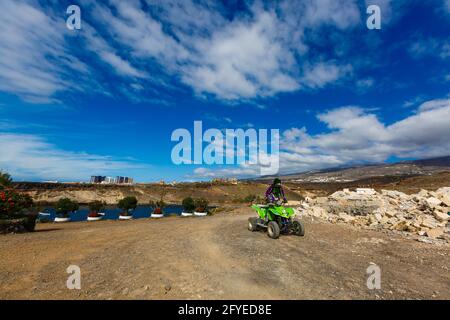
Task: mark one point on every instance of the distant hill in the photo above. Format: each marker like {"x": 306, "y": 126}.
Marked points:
{"x": 347, "y": 174}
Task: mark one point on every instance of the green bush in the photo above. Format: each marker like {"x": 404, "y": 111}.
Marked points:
{"x": 96, "y": 206}
{"x": 201, "y": 205}
{"x": 128, "y": 203}
{"x": 65, "y": 206}
{"x": 188, "y": 204}
{"x": 5, "y": 180}
{"x": 160, "y": 204}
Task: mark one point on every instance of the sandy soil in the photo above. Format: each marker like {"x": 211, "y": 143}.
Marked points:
{"x": 217, "y": 258}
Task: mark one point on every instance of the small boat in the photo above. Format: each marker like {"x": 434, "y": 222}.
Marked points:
{"x": 200, "y": 214}
{"x": 187, "y": 214}
{"x": 157, "y": 215}
{"x": 62, "y": 219}
{"x": 125, "y": 217}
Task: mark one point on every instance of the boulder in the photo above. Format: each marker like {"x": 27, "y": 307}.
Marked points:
{"x": 441, "y": 216}
{"x": 443, "y": 192}
{"x": 424, "y": 213}
{"x": 401, "y": 226}
{"x": 429, "y": 223}
{"x": 423, "y": 194}
{"x": 433, "y": 202}
{"x": 319, "y": 212}
{"x": 390, "y": 213}
{"x": 434, "y": 233}
{"x": 445, "y": 200}
{"x": 345, "y": 217}
{"x": 378, "y": 216}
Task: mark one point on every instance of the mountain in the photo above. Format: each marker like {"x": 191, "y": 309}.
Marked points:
{"x": 347, "y": 174}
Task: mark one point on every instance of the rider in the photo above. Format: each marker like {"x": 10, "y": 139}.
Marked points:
{"x": 275, "y": 192}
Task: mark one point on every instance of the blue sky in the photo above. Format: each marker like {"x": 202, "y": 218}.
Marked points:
{"x": 105, "y": 99}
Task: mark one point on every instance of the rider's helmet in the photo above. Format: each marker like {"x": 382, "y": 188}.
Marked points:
{"x": 277, "y": 182}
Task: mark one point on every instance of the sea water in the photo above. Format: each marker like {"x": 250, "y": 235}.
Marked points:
{"x": 112, "y": 213}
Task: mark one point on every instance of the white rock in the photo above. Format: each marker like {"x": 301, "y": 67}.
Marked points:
{"x": 378, "y": 216}
{"x": 443, "y": 192}
{"x": 441, "y": 216}
{"x": 318, "y": 212}
{"x": 345, "y": 217}
{"x": 433, "y": 202}
{"x": 425, "y": 240}
{"x": 434, "y": 233}
{"x": 445, "y": 200}
{"x": 429, "y": 223}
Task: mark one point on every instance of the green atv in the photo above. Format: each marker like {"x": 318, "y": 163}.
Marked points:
{"x": 276, "y": 219}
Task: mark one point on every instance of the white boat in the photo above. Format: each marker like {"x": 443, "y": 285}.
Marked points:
{"x": 187, "y": 214}
{"x": 157, "y": 215}
{"x": 62, "y": 219}
{"x": 125, "y": 217}
{"x": 200, "y": 214}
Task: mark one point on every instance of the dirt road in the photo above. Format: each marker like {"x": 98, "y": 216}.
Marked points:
{"x": 216, "y": 258}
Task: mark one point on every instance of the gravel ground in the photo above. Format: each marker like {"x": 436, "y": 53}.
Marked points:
{"x": 217, "y": 258}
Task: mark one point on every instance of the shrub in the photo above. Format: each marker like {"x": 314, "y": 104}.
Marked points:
{"x": 96, "y": 206}
{"x": 13, "y": 204}
{"x": 160, "y": 204}
{"x": 5, "y": 180}
{"x": 127, "y": 204}
{"x": 188, "y": 204}
{"x": 157, "y": 206}
{"x": 65, "y": 206}
{"x": 201, "y": 205}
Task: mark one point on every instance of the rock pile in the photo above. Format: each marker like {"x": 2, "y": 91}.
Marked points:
{"x": 425, "y": 213}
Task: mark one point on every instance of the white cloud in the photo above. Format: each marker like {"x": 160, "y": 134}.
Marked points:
{"x": 342, "y": 14}
{"x": 430, "y": 47}
{"x": 230, "y": 67}
{"x": 250, "y": 56}
{"x": 321, "y": 74}
{"x": 356, "y": 136}
{"x": 106, "y": 53}
{"x": 262, "y": 51}
{"x": 32, "y": 157}
{"x": 34, "y": 60}
{"x": 385, "y": 7}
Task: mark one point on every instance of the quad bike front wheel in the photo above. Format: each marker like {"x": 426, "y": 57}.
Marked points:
{"x": 253, "y": 224}
{"x": 273, "y": 230}
{"x": 298, "y": 228}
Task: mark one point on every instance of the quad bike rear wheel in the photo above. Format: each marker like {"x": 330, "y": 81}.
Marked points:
{"x": 253, "y": 224}
{"x": 273, "y": 230}
{"x": 298, "y": 228}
